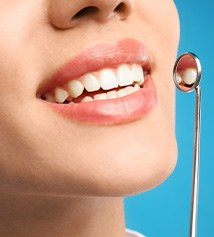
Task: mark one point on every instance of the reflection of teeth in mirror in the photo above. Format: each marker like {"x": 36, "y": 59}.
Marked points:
{"x": 178, "y": 78}
{"x": 190, "y": 76}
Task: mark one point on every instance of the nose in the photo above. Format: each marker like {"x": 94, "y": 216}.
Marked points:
{"x": 65, "y": 14}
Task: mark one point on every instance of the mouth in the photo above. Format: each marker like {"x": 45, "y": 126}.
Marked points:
{"x": 104, "y": 84}
{"x": 107, "y": 84}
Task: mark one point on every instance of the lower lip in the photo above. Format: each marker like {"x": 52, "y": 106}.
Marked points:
{"x": 112, "y": 111}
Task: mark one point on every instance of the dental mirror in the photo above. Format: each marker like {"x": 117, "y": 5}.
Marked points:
{"x": 187, "y": 72}
{"x": 187, "y": 76}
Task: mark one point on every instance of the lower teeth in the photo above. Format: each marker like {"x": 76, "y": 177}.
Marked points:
{"x": 111, "y": 94}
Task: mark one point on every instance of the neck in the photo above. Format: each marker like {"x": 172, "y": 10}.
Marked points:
{"x": 36, "y": 216}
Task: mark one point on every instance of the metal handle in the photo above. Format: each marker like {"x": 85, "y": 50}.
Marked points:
{"x": 196, "y": 161}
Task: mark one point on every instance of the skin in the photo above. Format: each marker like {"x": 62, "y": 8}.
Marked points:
{"x": 66, "y": 178}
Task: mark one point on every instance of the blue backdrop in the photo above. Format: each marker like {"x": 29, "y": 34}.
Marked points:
{"x": 164, "y": 211}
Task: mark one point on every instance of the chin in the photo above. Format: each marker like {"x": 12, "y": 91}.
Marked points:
{"x": 127, "y": 173}
{"x": 118, "y": 174}
{"x": 138, "y": 174}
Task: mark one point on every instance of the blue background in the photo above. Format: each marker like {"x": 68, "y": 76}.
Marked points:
{"x": 165, "y": 210}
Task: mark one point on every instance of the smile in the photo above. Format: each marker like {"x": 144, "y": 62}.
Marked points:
{"x": 110, "y": 88}
{"x": 101, "y": 85}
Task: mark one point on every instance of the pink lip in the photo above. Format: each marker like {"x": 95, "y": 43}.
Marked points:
{"x": 185, "y": 63}
{"x": 111, "y": 111}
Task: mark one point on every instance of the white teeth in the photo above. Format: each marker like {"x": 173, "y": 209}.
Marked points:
{"x": 178, "y": 78}
{"x": 122, "y": 93}
{"x": 124, "y": 75}
{"x": 91, "y": 83}
{"x": 87, "y": 99}
{"x": 137, "y": 74}
{"x": 108, "y": 79}
{"x": 75, "y": 88}
{"x": 102, "y": 96}
{"x": 136, "y": 87}
{"x": 117, "y": 94}
{"x": 130, "y": 90}
{"x": 60, "y": 95}
{"x": 190, "y": 76}
{"x": 112, "y": 95}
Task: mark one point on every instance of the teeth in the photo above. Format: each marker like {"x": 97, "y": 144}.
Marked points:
{"x": 102, "y": 96}
{"x": 90, "y": 82}
{"x": 87, "y": 99}
{"x": 190, "y": 76}
{"x": 108, "y": 79}
{"x": 124, "y": 75}
{"x": 130, "y": 90}
{"x": 136, "y": 87}
{"x": 112, "y": 95}
{"x": 75, "y": 88}
{"x": 117, "y": 94}
{"x": 122, "y": 93}
{"x": 60, "y": 95}
{"x": 178, "y": 78}
{"x": 137, "y": 74}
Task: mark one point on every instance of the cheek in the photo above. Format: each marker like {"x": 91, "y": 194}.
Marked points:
{"x": 160, "y": 19}
{"x": 164, "y": 42}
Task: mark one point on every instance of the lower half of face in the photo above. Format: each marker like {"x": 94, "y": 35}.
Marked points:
{"x": 44, "y": 153}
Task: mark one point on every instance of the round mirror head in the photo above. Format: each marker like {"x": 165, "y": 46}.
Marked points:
{"x": 187, "y": 72}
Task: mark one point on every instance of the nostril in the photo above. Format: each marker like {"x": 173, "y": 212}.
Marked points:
{"x": 86, "y": 11}
{"x": 121, "y": 8}
{"x": 65, "y": 15}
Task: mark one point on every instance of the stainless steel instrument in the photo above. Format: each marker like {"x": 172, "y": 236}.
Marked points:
{"x": 187, "y": 75}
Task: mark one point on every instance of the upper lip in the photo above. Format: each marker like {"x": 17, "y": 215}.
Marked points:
{"x": 100, "y": 56}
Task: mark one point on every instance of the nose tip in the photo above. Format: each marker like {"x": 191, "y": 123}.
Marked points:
{"x": 67, "y": 14}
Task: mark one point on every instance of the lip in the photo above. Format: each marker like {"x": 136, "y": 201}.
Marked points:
{"x": 185, "y": 63}
{"x": 112, "y": 111}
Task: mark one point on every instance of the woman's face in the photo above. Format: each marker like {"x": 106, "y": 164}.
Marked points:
{"x": 45, "y": 152}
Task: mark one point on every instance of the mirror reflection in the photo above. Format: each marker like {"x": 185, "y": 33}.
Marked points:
{"x": 187, "y": 72}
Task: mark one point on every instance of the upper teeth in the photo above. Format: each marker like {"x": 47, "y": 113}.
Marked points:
{"x": 105, "y": 79}
{"x": 188, "y": 76}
